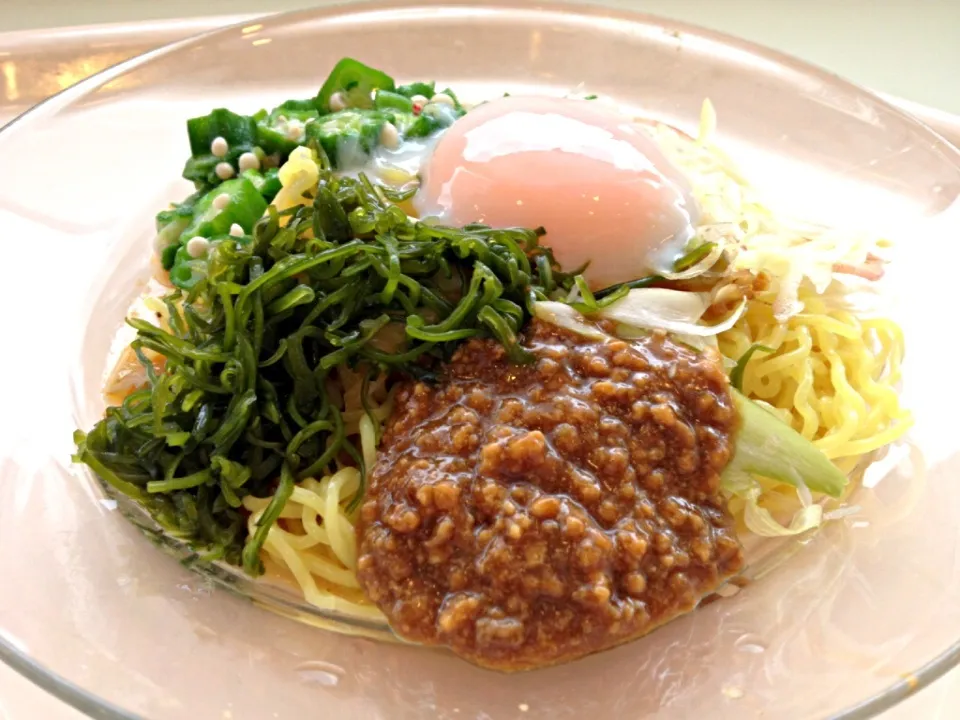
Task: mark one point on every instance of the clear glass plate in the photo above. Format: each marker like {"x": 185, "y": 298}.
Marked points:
{"x": 859, "y": 616}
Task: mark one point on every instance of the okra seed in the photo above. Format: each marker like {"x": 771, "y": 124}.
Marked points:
{"x": 442, "y": 99}
{"x": 221, "y": 201}
{"x": 236, "y": 230}
{"x": 197, "y": 247}
{"x": 219, "y": 147}
{"x": 337, "y": 102}
{"x": 389, "y": 137}
{"x": 248, "y": 161}
{"x": 294, "y": 130}
{"x": 224, "y": 170}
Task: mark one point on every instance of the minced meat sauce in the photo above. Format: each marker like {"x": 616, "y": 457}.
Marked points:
{"x": 525, "y": 515}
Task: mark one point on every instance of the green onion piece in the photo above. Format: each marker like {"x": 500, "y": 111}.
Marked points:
{"x": 588, "y": 303}
{"x": 692, "y": 257}
{"x": 736, "y": 375}
{"x": 643, "y": 282}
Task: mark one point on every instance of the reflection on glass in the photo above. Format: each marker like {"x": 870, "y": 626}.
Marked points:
{"x": 10, "y": 89}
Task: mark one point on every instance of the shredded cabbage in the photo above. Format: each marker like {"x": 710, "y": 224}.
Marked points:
{"x": 642, "y": 310}
{"x": 675, "y": 311}
{"x": 562, "y": 315}
{"x": 753, "y": 238}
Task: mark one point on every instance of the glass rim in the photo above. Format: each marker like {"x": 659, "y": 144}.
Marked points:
{"x": 91, "y": 705}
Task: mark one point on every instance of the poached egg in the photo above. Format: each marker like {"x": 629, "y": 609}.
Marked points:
{"x": 606, "y": 195}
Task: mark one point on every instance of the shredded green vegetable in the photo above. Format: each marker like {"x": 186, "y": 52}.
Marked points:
{"x": 243, "y": 399}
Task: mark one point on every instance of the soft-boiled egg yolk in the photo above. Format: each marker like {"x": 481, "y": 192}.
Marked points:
{"x": 601, "y": 188}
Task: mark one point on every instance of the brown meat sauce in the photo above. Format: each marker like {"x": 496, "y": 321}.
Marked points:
{"x": 529, "y": 515}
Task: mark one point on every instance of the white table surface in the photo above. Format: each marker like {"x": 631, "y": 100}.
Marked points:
{"x": 908, "y": 48}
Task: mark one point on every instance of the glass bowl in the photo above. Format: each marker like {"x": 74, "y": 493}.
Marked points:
{"x": 860, "y": 615}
